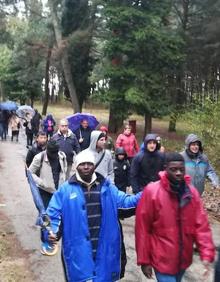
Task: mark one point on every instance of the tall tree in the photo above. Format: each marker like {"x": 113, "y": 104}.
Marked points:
{"x": 61, "y": 44}
{"x": 143, "y": 50}
{"x": 78, "y": 25}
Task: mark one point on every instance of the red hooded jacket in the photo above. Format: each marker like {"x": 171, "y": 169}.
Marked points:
{"x": 165, "y": 231}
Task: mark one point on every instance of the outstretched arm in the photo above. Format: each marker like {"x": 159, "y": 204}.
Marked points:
{"x": 212, "y": 176}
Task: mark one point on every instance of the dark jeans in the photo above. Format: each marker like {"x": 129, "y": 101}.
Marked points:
{"x": 217, "y": 268}
{"x": 15, "y": 134}
{"x": 29, "y": 139}
{"x": 123, "y": 252}
{"x": 161, "y": 277}
{"x": 1, "y": 130}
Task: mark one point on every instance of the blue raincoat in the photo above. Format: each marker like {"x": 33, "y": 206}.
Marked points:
{"x": 69, "y": 204}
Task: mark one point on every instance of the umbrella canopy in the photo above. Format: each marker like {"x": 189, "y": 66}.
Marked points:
{"x": 8, "y": 106}
{"x": 76, "y": 119}
{"x": 24, "y": 109}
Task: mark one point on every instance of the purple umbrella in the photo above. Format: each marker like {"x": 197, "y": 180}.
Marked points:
{"x": 76, "y": 119}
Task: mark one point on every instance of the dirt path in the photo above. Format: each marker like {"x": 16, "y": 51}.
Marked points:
{"x": 17, "y": 205}
{"x": 17, "y": 216}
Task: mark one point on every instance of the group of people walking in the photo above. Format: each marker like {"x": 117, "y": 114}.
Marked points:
{"x": 84, "y": 189}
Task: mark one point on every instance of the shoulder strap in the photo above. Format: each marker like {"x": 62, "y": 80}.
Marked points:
{"x": 41, "y": 162}
{"x": 98, "y": 163}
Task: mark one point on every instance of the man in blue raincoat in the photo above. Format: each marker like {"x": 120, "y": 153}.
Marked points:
{"x": 87, "y": 209}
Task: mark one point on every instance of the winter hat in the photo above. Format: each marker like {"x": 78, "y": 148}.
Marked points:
{"x": 85, "y": 156}
{"x": 120, "y": 151}
{"x": 52, "y": 146}
{"x": 103, "y": 128}
{"x": 101, "y": 135}
{"x": 174, "y": 157}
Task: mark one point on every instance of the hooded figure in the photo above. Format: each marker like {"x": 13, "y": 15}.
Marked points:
{"x": 121, "y": 169}
{"x": 197, "y": 164}
{"x": 103, "y": 158}
{"x": 146, "y": 164}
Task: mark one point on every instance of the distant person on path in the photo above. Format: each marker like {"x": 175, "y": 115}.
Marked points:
{"x": 103, "y": 157}
{"x": 86, "y": 206}
{"x": 35, "y": 122}
{"x": 49, "y": 170}
{"x": 38, "y": 146}
{"x": 197, "y": 164}
{"x": 161, "y": 148}
{"x": 68, "y": 143}
{"x": 170, "y": 218}
{"x": 146, "y": 164}
{"x": 128, "y": 141}
{"x": 83, "y": 134}
{"x": 48, "y": 125}
{"x": 28, "y": 129}
{"x": 15, "y": 125}
{"x": 1, "y": 124}
{"x": 109, "y": 144}
{"x": 6, "y": 117}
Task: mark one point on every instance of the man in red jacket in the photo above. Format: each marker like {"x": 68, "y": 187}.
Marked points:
{"x": 169, "y": 219}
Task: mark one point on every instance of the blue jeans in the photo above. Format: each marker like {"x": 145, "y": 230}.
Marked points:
{"x": 169, "y": 278}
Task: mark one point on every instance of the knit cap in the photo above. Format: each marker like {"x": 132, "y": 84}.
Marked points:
{"x": 85, "y": 156}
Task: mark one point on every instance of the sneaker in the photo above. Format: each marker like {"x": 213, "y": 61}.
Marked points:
{"x": 48, "y": 249}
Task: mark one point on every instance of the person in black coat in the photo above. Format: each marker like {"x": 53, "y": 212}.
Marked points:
{"x": 121, "y": 169}
{"x": 122, "y": 181}
{"x": 83, "y": 134}
{"x": 146, "y": 164}
{"x": 38, "y": 146}
{"x": 68, "y": 143}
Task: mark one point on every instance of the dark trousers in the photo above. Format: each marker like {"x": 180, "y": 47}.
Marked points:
{"x": 5, "y": 131}
{"x": 15, "y": 134}
{"x": 123, "y": 253}
{"x": 29, "y": 139}
{"x": 217, "y": 268}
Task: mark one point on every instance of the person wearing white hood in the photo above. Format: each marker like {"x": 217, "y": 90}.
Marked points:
{"x": 103, "y": 157}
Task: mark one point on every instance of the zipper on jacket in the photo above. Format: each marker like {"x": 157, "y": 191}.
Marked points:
{"x": 180, "y": 235}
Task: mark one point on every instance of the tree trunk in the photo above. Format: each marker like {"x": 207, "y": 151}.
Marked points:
{"x": 148, "y": 123}
{"x": 47, "y": 79}
{"x": 64, "y": 59}
{"x": 114, "y": 123}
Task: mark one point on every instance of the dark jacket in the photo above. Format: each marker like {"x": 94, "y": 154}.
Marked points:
{"x": 35, "y": 149}
{"x": 121, "y": 170}
{"x": 67, "y": 144}
{"x": 35, "y": 122}
{"x": 145, "y": 166}
{"x": 85, "y": 134}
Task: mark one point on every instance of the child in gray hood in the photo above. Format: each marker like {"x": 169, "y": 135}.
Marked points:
{"x": 103, "y": 157}
{"x": 197, "y": 164}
